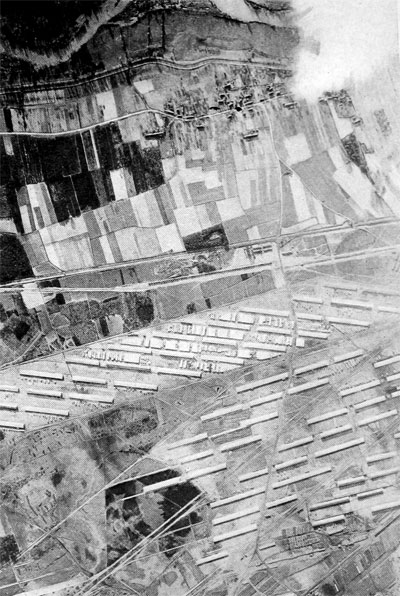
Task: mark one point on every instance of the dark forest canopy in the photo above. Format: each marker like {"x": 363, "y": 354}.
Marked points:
{"x": 14, "y": 263}
{"x": 44, "y": 25}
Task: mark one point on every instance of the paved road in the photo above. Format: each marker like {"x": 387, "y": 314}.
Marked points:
{"x": 176, "y": 65}
{"x": 17, "y": 285}
{"x": 147, "y": 110}
{"x": 292, "y": 262}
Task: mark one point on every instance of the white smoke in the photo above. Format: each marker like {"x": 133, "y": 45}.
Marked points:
{"x": 342, "y": 40}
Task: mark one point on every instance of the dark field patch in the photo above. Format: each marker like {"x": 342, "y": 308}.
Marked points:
{"x": 125, "y": 523}
{"x": 355, "y": 152}
{"x": 67, "y": 164}
{"x": 8, "y": 549}
{"x": 209, "y": 238}
{"x": 125, "y": 526}
{"x": 43, "y": 26}
{"x": 175, "y": 498}
{"x": 57, "y": 477}
{"x": 14, "y": 263}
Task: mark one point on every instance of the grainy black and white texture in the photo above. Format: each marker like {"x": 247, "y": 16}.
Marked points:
{"x": 200, "y": 298}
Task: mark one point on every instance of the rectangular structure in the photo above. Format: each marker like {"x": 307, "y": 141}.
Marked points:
{"x": 341, "y": 447}
{"x": 351, "y": 303}
{"x": 45, "y": 392}
{"x": 258, "y": 419}
{"x": 366, "y": 494}
{"x": 89, "y": 380}
{"x": 214, "y": 557}
{"x": 46, "y": 411}
{"x": 223, "y": 412}
{"x": 350, "y": 481}
{"x": 377, "y": 418}
{"x": 252, "y": 475}
{"x": 351, "y": 322}
{"x": 371, "y": 459}
{"x": 205, "y": 471}
{"x": 12, "y": 425}
{"x": 328, "y": 416}
{"x": 82, "y": 360}
{"x": 128, "y": 366}
{"x": 264, "y": 346}
{"x": 133, "y": 340}
{"x": 385, "y": 506}
{"x": 361, "y": 387}
{"x": 311, "y": 367}
{"x": 42, "y": 374}
{"x": 341, "y": 286}
{"x": 176, "y": 354}
{"x": 291, "y": 462}
{"x": 238, "y": 443}
{"x": 326, "y": 521}
{"x": 326, "y": 434}
{"x": 223, "y": 359}
{"x": 307, "y": 386}
{"x": 246, "y": 318}
{"x": 122, "y": 347}
{"x": 136, "y": 385}
{"x": 330, "y": 503}
{"x": 394, "y": 377}
{"x": 301, "y": 477}
{"x": 224, "y": 433}
{"x": 10, "y": 388}
{"x": 383, "y": 473}
{"x": 196, "y": 456}
{"x": 297, "y": 443}
{"x": 387, "y": 361}
{"x": 269, "y": 545}
{"x": 227, "y": 316}
{"x": 91, "y": 397}
{"x": 189, "y": 441}
{"x": 238, "y": 497}
{"x": 228, "y": 325}
{"x": 283, "y": 501}
{"x": 389, "y": 309}
{"x": 177, "y": 372}
{"x": 348, "y": 356}
{"x": 307, "y": 299}
{"x": 368, "y": 403}
{"x": 266, "y": 311}
{"x": 274, "y": 330}
{"x": 133, "y": 357}
{"x": 262, "y": 382}
{"x": 313, "y": 334}
{"x": 163, "y": 484}
{"x": 223, "y": 519}
{"x": 177, "y": 336}
{"x": 235, "y": 533}
{"x": 306, "y": 316}
{"x": 219, "y": 341}
{"x": 259, "y": 401}
{"x": 6, "y": 405}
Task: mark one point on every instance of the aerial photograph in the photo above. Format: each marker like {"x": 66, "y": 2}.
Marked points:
{"x": 199, "y": 298}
